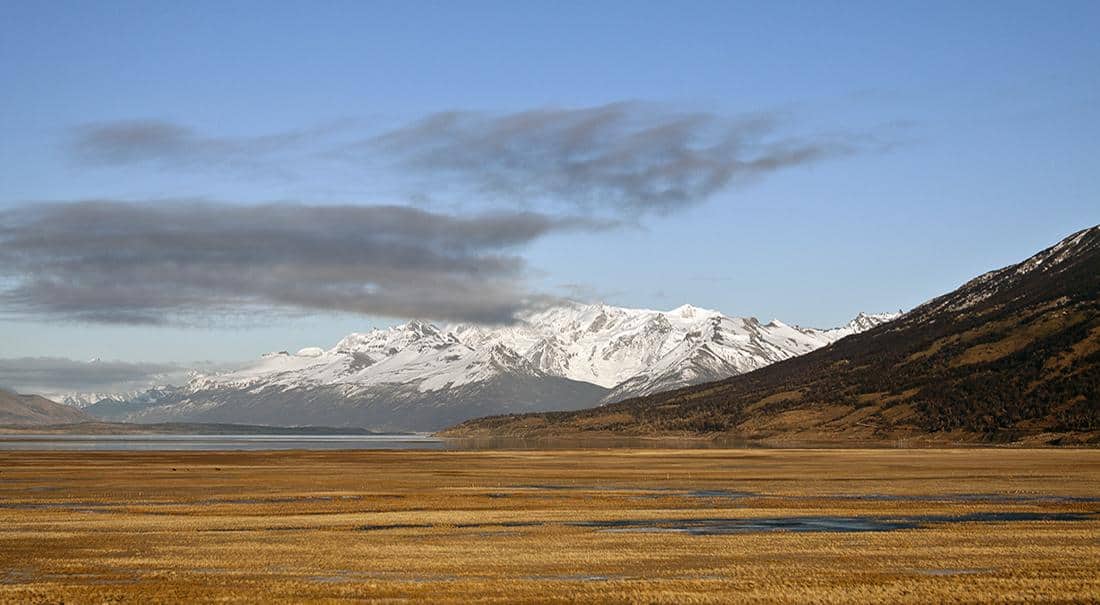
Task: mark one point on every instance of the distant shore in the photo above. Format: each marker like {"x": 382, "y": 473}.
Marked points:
{"x": 178, "y": 428}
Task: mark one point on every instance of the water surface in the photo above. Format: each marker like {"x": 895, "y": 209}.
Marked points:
{"x": 218, "y": 442}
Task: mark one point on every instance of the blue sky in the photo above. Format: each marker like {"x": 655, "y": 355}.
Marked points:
{"x": 970, "y": 136}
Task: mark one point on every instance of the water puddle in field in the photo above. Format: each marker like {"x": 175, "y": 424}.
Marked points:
{"x": 594, "y": 488}
{"x": 274, "y": 500}
{"x": 967, "y": 498}
{"x": 638, "y": 492}
{"x": 722, "y": 526}
{"x": 714, "y": 493}
{"x": 499, "y": 524}
{"x": 714, "y": 526}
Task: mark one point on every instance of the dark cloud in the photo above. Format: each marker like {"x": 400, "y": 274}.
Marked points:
{"x": 53, "y": 375}
{"x": 169, "y": 145}
{"x": 634, "y": 157}
{"x": 165, "y": 261}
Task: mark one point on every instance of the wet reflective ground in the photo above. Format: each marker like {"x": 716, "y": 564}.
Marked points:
{"x": 620, "y": 525}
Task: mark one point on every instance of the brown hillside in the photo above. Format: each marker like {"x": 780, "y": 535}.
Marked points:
{"x": 26, "y": 410}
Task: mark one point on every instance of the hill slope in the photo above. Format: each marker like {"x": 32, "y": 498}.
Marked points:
{"x": 27, "y": 410}
{"x": 1011, "y": 355}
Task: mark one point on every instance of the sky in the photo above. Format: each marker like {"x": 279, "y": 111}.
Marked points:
{"x": 208, "y": 181}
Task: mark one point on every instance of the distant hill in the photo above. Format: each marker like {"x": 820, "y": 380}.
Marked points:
{"x": 29, "y": 410}
{"x": 1012, "y": 355}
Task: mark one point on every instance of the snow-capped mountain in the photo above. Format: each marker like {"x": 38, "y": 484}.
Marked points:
{"x": 639, "y": 351}
{"x": 84, "y": 399}
{"x": 409, "y": 377}
{"x": 116, "y": 381}
{"x": 418, "y": 376}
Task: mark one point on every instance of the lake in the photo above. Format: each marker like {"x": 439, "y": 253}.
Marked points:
{"x": 217, "y": 442}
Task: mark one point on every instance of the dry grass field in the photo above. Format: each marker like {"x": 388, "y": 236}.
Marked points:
{"x": 683, "y": 526}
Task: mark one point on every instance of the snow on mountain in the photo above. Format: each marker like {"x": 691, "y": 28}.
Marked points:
{"x": 418, "y": 376}
{"x": 83, "y": 400}
{"x": 640, "y": 351}
{"x": 416, "y": 353}
{"x": 861, "y": 323}
{"x": 598, "y": 343}
{"x": 408, "y": 377}
{"x": 87, "y": 399}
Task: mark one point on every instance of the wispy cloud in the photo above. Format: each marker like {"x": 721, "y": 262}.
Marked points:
{"x": 165, "y": 261}
{"x": 632, "y": 157}
{"x": 586, "y": 292}
{"x": 171, "y": 146}
{"x": 629, "y": 158}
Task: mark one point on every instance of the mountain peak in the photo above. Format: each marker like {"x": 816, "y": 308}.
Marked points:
{"x": 689, "y": 311}
{"x": 866, "y": 321}
{"x": 421, "y": 327}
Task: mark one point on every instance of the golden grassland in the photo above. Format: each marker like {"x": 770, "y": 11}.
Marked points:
{"x": 515, "y": 526}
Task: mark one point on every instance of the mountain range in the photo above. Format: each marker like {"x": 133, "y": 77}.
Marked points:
{"x": 419, "y": 376}
{"x": 1012, "y": 355}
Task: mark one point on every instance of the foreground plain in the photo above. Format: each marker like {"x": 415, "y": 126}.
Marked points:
{"x": 888, "y": 526}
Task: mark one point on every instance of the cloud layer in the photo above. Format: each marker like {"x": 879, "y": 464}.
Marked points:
{"x": 171, "y": 261}
{"x": 629, "y": 156}
{"x": 54, "y": 375}
{"x": 164, "y": 261}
